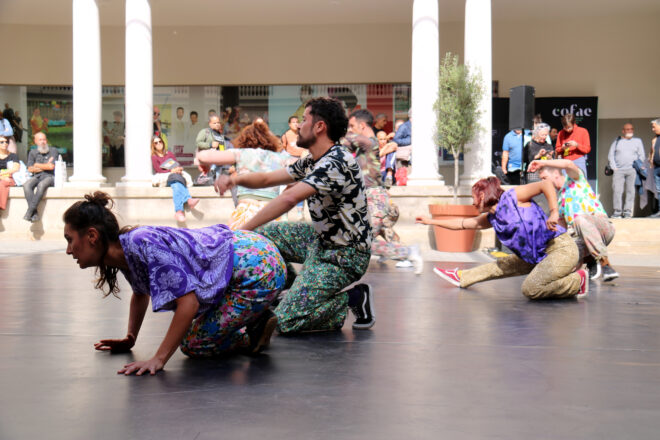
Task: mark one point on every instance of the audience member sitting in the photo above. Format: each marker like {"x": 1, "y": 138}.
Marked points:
{"x": 256, "y": 150}
{"x": 164, "y": 162}
{"x": 8, "y": 166}
{"x": 41, "y": 163}
{"x": 387, "y": 153}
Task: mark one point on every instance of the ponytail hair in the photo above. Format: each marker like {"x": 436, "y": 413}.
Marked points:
{"x": 95, "y": 212}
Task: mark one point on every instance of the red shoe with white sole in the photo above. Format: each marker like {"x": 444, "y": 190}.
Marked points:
{"x": 451, "y": 275}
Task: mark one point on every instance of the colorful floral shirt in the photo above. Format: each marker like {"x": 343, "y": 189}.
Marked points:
{"x": 167, "y": 263}
{"x": 339, "y": 206}
{"x": 577, "y": 198}
{"x": 256, "y": 160}
{"x": 367, "y": 155}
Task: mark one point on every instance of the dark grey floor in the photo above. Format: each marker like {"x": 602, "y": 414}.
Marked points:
{"x": 483, "y": 363}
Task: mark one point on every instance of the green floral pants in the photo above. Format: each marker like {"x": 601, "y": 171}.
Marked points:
{"x": 315, "y": 300}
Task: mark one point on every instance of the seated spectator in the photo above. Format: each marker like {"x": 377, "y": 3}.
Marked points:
{"x": 8, "y": 166}
{"x": 256, "y": 150}
{"x": 41, "y": 163}
{"x": 387, "y": 153}
{"x": 537, "y": 149}
{"x": 403, "y": 141}
{"x": 164, "y": 161}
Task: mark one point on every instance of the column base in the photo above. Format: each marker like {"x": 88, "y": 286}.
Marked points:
{"x": 86, "y": 182}
{"x": 426, "y": 181}
{"x": 135, "y": 183}
{"x": 469, "y": 180}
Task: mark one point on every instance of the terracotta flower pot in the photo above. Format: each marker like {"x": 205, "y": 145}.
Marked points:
{"x": 453, "y": 241}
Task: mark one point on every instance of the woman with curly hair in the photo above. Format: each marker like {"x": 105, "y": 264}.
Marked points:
{"x": 219, "y": 283}
{"x": 256, "y": 149}
{"x": 541, "y": 247}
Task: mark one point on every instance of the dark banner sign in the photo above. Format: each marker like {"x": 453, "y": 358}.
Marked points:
{"x": 551, "y": 110}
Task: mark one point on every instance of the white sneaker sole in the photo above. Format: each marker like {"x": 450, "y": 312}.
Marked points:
{"x": 372, "y": 311}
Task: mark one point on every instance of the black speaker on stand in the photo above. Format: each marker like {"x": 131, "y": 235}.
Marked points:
{"x": 521, "y": 107}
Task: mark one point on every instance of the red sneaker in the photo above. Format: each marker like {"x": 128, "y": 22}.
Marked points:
{"x": 584, "y": 283}
{"x": 451, "y": 275}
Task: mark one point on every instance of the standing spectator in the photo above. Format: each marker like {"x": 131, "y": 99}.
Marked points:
{"x": 7, "y": 131}
{"x": 512, "y": 156}
{"x": 164, "y": 161}
{"x": 387, "y": 154}
{"x": 8, "y": 166}
{"x": 537, "y": 149}
{"x": 623, "y": 152}
{"x": 116, "y": 139}
{"x": 573, "y": 143}
{"x": 553, "y": 137}
{"x": 37, "y": 123}
{"x": 654, "y": 158}
{"x": 381, "y": 123}
{"x": 158, "y": 125}
{"x": 15, "y": 122}
{"x": 41, "y": 163}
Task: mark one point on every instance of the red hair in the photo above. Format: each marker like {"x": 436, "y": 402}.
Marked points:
{"x": 257, "y": 135}
{"x": 490, "y": 189}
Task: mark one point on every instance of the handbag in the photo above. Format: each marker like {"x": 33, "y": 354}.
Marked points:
{"x": 608, "y": 170}
{"x": 175, "y": 177}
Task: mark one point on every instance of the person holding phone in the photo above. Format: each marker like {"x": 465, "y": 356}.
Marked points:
{"x": 573, "y": 143}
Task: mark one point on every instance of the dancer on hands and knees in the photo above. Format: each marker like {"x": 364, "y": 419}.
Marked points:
{"x": 335, "y": 248}
{"x": 211, "y": 278}
{"x": 541, "y": 247}
{"x": 581, "y": 212}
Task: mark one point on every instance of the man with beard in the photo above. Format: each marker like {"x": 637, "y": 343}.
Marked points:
{"x": 335, "y": 249}
{"x": 361, "y": 141}
{"x": 41, "y": 163}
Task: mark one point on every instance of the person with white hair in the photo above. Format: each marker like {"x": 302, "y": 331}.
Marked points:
{"x": 624, "y": 151}
{"x": 41, "y": 163}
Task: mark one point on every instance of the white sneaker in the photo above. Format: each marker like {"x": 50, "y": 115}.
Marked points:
{"x": 404, "y": 264}
{"x": 416, "y": 257}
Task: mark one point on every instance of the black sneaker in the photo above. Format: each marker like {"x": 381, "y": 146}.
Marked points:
{"x": 609, "y": 274}
{"x": 594, "y": 270}
{"x": 361, "y": 303}
{"x": 260, "y": 332}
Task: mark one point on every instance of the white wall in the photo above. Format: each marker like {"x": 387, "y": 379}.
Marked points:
{"x": 610, "y": 57}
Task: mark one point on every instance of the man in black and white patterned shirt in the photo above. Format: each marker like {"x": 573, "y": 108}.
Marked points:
{"x": 335, "y": 249}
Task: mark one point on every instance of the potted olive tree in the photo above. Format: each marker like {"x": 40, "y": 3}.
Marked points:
{"x": 457, "y": 111}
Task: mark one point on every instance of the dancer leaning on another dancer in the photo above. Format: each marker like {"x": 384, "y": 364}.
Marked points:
{"x": 541, "y": 247}
{"x": 335, "y": 248}
{"x": 255, "y": 150}
{"x": 582, "y": 213}
{"x": 219, "y": 283}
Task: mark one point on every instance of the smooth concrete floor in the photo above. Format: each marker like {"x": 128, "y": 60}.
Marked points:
{"x": 441, "y": 363}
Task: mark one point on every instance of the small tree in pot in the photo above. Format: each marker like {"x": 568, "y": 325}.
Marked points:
{"x": 457, "y": 108}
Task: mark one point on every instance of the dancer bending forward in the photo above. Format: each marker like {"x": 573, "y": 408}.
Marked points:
{"x": 541, "y": 247}
{"x": 219, "y": 283}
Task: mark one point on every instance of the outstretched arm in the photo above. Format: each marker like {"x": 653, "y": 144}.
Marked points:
{"x": 253, "y": 180}
{"x": 479, "y": 222}
{"x": 280, "y": 204}
{"x": 568, "y": 165}
{"x": 186, "y": 309}
{"x": 138, "y": 308}
{"x": 215, "y": 157}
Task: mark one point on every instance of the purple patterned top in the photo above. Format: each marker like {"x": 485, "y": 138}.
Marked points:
{"x": 167, "y": 263}
{"x": 522, "y": 229}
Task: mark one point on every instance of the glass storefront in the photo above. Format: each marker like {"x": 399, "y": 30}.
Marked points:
{"x": 183, "y": 111}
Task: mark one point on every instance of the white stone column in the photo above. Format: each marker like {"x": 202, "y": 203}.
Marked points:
{"x": 424, "y": 92}
{"x": 479, "y": 56}
{"x": 138, "y": 94}
{"x": 87, "y": 133}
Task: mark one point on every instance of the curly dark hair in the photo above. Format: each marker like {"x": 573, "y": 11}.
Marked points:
{"x": 330, "y": 111}
{"x": 94, "y": 212}
{"x": 257, "y": 135}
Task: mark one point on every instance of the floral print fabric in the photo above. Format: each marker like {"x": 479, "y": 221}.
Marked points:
{"x": 257, "y": 160}
{"x": 258, "y": 277}
{"x": 367, "y": 155}
{"x": 577, "y": 198}
{"x": 339, "y": 207}
{"x": 167, "y": 263}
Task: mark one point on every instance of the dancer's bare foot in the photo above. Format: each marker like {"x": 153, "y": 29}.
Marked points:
{"x": 192, "y": 203}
